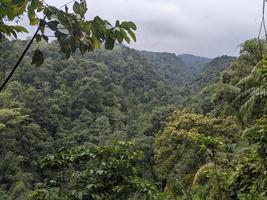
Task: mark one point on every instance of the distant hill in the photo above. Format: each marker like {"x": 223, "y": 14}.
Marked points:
{"x": 180, "y": 69}
{"x": 209, "y": 74}
{"x": 212, "y": 70}
{"x": 195, "y": 63}
{"x": 168, "y": 66}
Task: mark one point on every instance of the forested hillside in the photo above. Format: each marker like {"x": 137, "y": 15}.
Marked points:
{"x": 194, "y": 63}
{"x": 121, "y": 124}
{"x": 84, "y": 117}
{"x": 91, "y": 99}
{"x": 211, "y": 71}
{"x": 169, "y": 67}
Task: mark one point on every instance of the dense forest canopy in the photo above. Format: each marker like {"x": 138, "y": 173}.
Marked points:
{"x": 90, "y": 101}
{"x": 128, "y": 124}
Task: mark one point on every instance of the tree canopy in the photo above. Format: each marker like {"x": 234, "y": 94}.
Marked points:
{"x": 125, "y": 124}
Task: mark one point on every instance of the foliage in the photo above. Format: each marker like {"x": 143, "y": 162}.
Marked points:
{"x": 96, "y": 172}
{"x": 202, "y": 87}
{"x": 190, "y": 140}
{"x": 21, "y": 142}
{"x": 91, "y": 99}
{"x": 241, "y": 89}
{"x": 71, "y": 30}
{"x": 81, "y": 105}
{"x": 248, "y": 180}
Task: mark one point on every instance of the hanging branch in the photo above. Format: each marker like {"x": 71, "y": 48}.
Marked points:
{"x": 88, "y": 35}
{"x": 27, "y": 48}
{"x": 19, "y": 60}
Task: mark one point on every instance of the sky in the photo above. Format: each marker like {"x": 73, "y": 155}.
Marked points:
{"x": 207, "y": 28}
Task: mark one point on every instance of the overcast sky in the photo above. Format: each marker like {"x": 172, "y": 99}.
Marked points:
{"x": 202, "y": 27}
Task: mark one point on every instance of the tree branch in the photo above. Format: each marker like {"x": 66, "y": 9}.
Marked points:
{"x": 19, "y": 60}
{"x": 25, "y": 51}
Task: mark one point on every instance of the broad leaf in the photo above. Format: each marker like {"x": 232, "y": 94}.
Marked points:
{"x": 53, "y": 25}
{"x": 38, "y": 57}
{"x": 110, "y": 43}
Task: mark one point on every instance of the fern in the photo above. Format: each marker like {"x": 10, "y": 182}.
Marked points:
{"x": 201, "y": 171}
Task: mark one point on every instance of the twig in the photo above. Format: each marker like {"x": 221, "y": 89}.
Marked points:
{"x": 19, "y": 60}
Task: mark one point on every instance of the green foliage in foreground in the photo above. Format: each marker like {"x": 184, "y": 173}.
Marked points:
{"x": 198, "y": 141}
{"x": 96, "y": 172}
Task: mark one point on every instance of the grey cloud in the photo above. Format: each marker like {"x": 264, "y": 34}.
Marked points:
{"x": 202, "y": 27}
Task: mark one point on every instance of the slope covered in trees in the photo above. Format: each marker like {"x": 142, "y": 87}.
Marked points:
{"x": 211, "y": 71}
{"x": 194, "y": 63}
{"x": 59, "y": 124}
{"x": 125, "y": 124}
{"x": 91, "y": 99}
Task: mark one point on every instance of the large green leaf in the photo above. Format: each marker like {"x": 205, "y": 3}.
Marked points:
{"x": 110, "y": 43}
{"x": 53, "y": 25}
{"x": 80, "y": 8}
{"x": 38, "y": 57}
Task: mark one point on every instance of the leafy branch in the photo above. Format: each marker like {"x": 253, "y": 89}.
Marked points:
{"x": 71, "y": 30}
